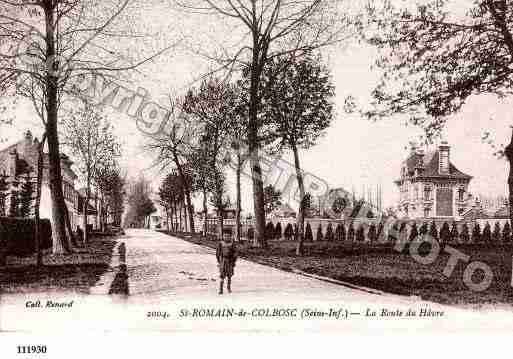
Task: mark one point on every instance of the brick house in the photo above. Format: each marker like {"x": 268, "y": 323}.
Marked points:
{"x": 20, "y": 160}
{"x": 431, "y": 186}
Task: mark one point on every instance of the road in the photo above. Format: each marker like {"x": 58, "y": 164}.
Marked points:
{"x": 156, "y": 273}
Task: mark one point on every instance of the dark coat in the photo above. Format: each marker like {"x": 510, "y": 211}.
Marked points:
{"x": 226, "y": 254}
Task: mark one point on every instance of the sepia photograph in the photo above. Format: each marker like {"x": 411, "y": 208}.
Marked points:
{"x": 255, "y": 166}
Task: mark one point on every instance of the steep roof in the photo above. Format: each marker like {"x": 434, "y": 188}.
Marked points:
{"x": 431, "y": 165}
{"x": 27, "y": 158}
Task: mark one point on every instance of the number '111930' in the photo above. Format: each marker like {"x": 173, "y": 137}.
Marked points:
{"x": 31, "y": 349}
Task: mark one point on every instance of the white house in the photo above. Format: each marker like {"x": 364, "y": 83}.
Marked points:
{"x": 19, "y": 160}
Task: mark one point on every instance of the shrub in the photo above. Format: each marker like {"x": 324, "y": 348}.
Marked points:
{"x": 476, "y": 233}
{"x": 433, "y": 231}
{"x": 17, "y": 235}
{"x": 487, "y": 233}
{"x": 454, "y": 232}
{"x": 277, "y": 231}
{"x": 372, "y": 233}
{"x": 464, "y": 235}
{"x": 496, "y": 232}
{"x": 360, "y": 234}
{"x": 394, "y": 233}
{"x": 506, "y": 232}
{"x": 445, "y": 233}
{"x": 319, "y": 236}
{"x": 289, "y": 232}
{"x": 308, "y": 233}
{"x": 269, "y": 231}
{"x": 340, "y": 232}
{"x": 329, "y": 233}
{"x": 381, "y": 230}
{"x": 414, "y": 233}
{"x": 423, "y": 229}
{"x": 350, "y": 233}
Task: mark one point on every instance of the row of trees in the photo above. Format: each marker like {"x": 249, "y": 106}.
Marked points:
{"x": 295, "y": 110}
{"x": 140, "y": 204}
{"x": 45, "y": 45}
{"x": 282, "y": 98}
{"x": 88, "y": 135}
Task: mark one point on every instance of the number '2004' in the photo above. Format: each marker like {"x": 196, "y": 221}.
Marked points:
{"x": 31, "y": 349}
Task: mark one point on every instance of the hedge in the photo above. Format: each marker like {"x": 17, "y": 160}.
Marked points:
{"x": 17, "y": 235}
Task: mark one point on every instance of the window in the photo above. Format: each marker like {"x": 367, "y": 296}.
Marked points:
{"x": 427, "y": 193}
{"x": 426, "y": 212}
{"x": 416, "y": 191}
{"x": 461, "y": 194}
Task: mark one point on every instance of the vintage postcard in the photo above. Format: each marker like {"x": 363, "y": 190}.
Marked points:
{"x": 255, "y": 166}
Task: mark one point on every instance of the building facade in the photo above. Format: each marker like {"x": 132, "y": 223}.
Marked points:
{"x": 19, "y": 161}
{"x": 430, "y": 186}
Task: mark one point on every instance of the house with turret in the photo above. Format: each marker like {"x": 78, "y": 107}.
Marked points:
{"x": 431, "y": 186}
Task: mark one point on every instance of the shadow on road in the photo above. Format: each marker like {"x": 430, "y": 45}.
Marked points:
{"x": 120, "y": 283}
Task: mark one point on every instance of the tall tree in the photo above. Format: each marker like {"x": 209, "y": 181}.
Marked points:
{"x": 215, "y": 106}
{"x": 262, "y": 31}
{"x": 47, "y": 44}
{"x": 141, "y": 205}
{"x": 90, "y": 138}
{"x": 433, "y": 59}
{"x": 110, "y": 186}
{"x": 298, "y": 94}
{"x": 173, "y": 149}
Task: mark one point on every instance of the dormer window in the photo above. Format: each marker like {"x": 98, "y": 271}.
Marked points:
{"x": 461, "y": 194}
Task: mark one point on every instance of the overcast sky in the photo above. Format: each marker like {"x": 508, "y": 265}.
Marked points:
{"x": 354, "y": 152}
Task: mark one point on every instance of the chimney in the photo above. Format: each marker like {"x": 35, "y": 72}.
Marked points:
{"x": 13, "y": 160}
{"x": 443, "y": 159}
{"x": 28, "y": 137}
{"x": 27, "y": 144}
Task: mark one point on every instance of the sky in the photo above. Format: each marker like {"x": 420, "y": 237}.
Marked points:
{"x": 354, "y": 152}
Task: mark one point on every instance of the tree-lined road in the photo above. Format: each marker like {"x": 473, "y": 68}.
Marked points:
{"x": 167, "y": 275}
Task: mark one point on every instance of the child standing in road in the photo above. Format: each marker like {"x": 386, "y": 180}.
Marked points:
{"x": 226, "y": 255}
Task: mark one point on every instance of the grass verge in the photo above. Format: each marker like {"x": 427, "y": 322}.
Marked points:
{"x": 77, "y": 272}
{"x": 383, "y": 268}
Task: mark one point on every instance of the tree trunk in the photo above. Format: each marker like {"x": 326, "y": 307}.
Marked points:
{"x": 205, "y": 213}
{"x": 301, "y": 212}
{"x": 68, "y": 225}
{"x": 221, "y": 224}
{"x": 185, "y": 216}
{"x": 238, "y": 199}
{"x": 84, "y": 223}
{"x": 509, "y": 155}
{"x": 186, "y": 189}
{"x": 253, "y": 147}
{"x": 180, "y": 218}
{"x": 61, "y": 243}
{"x": 86, "y": 204}
{"x": 175, "y": 219}
{"x": 37, "y": 205}
{"x": 96, "y": 208}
